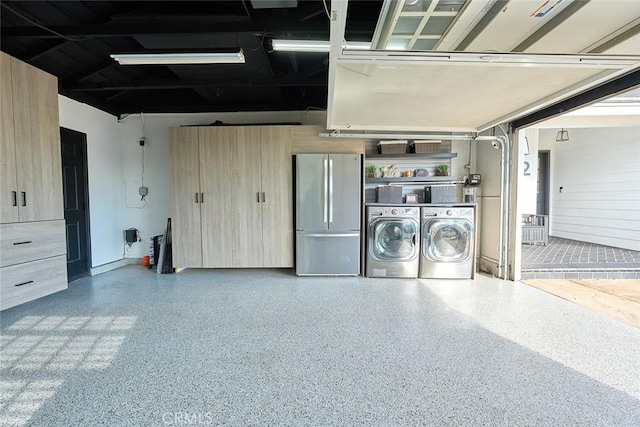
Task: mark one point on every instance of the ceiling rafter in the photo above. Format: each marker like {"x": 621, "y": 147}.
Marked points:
{"x": 74, "y": 41}
{"x": 131, "y": 29}
{"x": 158, "y": 84}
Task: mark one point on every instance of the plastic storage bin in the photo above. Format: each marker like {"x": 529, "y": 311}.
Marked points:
{"x": 389, "y": 194}
{"x": 441, "y": 193}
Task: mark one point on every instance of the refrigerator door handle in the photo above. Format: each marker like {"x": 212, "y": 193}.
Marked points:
{"x": 325, "y": 207}
{"x": 330, "y": 190}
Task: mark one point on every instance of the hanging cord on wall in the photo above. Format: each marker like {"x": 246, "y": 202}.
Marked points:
{"x": 143, "y": 143}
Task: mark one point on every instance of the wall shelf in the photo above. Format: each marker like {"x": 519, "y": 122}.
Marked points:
{"x": 413, "y": 180}
{"x": 412, "y": 155}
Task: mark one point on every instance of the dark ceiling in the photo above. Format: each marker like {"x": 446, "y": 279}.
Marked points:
{"x": 73, "y": 40}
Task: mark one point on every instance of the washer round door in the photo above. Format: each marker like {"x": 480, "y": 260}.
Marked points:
{"x": 447, "y": 240}
{"x": 394, "y": 239}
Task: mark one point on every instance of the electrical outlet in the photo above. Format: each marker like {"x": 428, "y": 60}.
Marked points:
{"x": 143, "y": 191}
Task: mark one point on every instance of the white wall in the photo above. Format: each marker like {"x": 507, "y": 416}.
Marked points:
{"x": 105, "y": 171}
{"x": 599, "y": 171}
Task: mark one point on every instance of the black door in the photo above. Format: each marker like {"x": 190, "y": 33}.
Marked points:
{"x": 542, "y": 207}
{"x": 76, "y": 201}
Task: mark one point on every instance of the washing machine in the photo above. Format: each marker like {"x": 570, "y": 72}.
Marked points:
{"x": 393, "y": 240}
{"x": 447, "y": 245}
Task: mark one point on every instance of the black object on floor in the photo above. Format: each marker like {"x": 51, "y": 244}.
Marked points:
{"x": 167, "y": 260}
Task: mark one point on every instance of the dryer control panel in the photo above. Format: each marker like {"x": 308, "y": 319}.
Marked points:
{"x": 394, "y": 211}
{"x": 447, "y": 212}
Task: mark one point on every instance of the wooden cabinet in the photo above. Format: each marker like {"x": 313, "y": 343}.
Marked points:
{"x": 277, "y": 207}
{"x": 25, "y": 282}
{"x": 21, "y": 242}
{"x": 8, "y": 178}
{"x": 185, "y": 196}
{"x": 216, "y": 175}
{"x": 30, "y": 145}
{"x": 243, "y": 196}
{"x": 32, "y": 228}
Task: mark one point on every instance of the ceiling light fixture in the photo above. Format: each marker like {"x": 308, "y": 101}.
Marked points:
{"x": 313, "y": 45}
{"x": 168, "y": 58}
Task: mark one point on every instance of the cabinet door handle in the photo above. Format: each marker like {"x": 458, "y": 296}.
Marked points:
{"x": 258, "y": 197}
{"x": 26, "y": 242}
{"x": 14, "y": 197}
{"x": 24, "y": 283}
{"x": 201, "y": 197}
{"x": 263, "y": 198}
{"x": 24, "y": 198}
{"x": 197, "y": 198}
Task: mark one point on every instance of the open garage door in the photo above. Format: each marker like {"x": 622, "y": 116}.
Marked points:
{"x": 458, "y": 91}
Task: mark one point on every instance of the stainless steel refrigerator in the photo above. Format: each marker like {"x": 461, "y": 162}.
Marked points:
{"x": 328, "y": 191}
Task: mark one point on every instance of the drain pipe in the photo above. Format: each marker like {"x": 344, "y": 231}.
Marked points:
{"x": 506, "y": 182}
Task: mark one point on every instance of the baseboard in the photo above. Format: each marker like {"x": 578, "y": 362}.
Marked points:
{"x": 488, "y": 265}
{"x": 113, "y": 265}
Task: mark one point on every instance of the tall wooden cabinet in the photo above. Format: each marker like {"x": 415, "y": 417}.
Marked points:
{"x": 32, "y": 229}
{"x": 185, "y": 196}
{"x": 231, "y": 199}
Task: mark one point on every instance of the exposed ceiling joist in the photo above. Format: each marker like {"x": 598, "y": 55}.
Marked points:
{"x": 130, "y": 29}
{"x": 83, "y": 74}
{"x": 44, "y": 49}
{"x": 159, "y": 84}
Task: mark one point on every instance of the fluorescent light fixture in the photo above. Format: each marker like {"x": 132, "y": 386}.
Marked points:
{"x": 168, "y": 58}
{"x": 313, "y": 45}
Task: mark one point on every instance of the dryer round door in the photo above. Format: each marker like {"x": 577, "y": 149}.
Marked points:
{"x": 447, "y": 240}
{"x": 394, "y": 239}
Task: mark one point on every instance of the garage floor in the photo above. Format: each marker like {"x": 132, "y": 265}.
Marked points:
{"x": 618, "y": 299}
{"x": 571, "y": 259}
{"x": 241, "y": 347}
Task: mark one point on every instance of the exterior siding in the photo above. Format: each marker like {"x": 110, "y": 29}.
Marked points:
{"x": 599, "y": 172}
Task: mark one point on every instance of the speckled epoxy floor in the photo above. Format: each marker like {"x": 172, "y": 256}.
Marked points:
{"x": 263, "y": 347}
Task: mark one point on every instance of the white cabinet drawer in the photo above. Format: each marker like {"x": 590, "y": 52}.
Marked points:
{"x": 25, "y": 282}
{"x": 28, "y": 241}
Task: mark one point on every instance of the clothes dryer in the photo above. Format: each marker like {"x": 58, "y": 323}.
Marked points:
{"x": 447, "y": 245}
